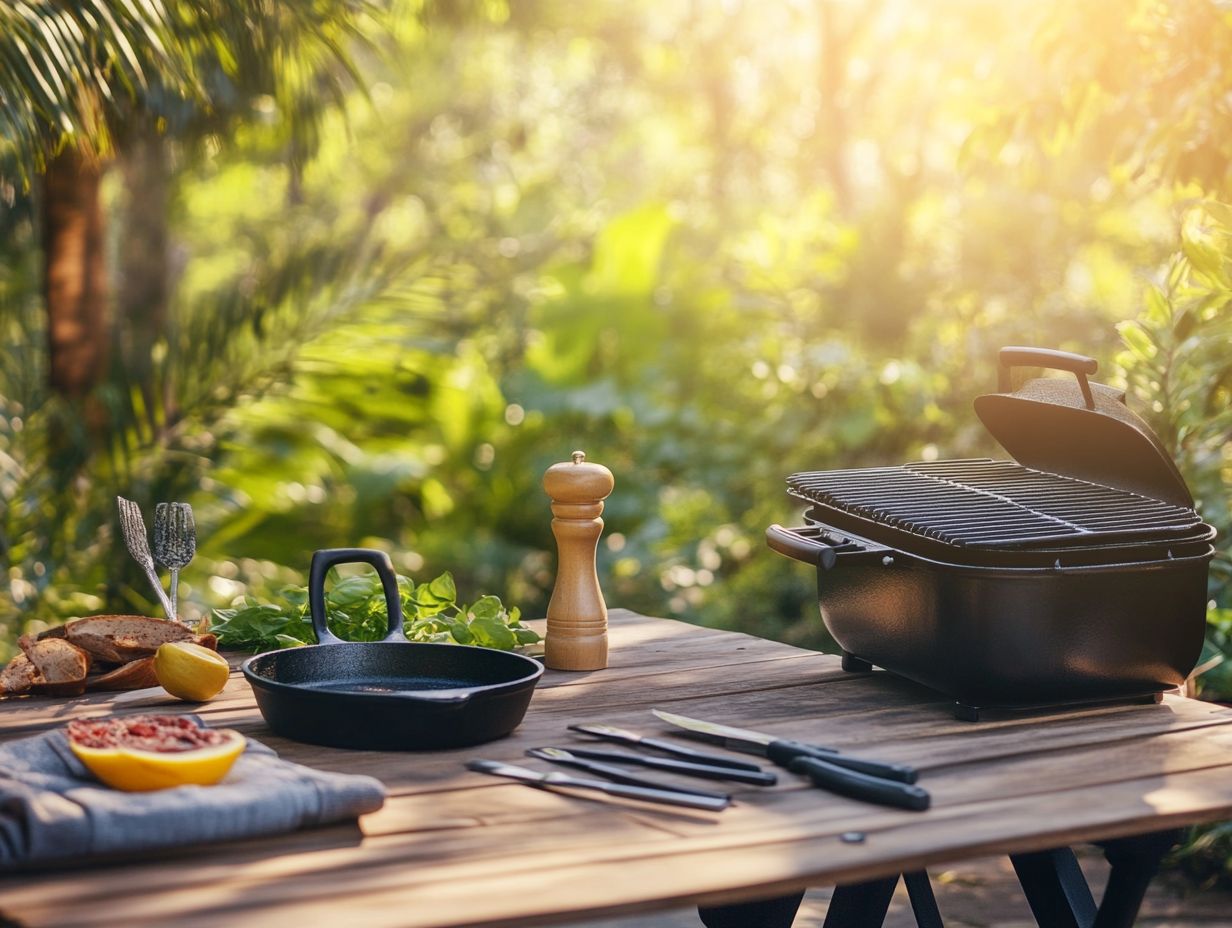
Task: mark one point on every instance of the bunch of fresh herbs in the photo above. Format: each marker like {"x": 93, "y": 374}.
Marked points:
{"x": 355, "y": 610}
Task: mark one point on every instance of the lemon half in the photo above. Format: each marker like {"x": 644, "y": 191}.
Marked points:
{"x": 140, "y": 771}
{"x": 190, "y": 671}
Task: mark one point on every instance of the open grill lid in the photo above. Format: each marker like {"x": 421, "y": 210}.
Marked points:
{"x": 1077, "y": 428}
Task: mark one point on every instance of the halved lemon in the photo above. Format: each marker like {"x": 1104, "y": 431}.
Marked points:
{"x": 136, "y": 770}
{"x": 190, "y": 671}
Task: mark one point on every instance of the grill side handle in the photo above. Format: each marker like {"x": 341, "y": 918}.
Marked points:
{"x": 822, "y": 547}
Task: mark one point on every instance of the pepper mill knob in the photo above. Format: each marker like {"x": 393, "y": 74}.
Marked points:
{"x": 577, "y": 615}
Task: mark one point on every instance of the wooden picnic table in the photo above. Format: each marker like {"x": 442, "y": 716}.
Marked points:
{"x": 454, "y": 848}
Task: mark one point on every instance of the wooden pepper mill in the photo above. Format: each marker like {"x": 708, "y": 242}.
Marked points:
{"x": 577, "y": 615}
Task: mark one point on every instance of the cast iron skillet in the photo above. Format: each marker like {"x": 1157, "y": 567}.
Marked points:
{"x": 391, "y": 695}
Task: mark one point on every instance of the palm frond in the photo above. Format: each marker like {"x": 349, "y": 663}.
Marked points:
{"x": 63, "y": 65}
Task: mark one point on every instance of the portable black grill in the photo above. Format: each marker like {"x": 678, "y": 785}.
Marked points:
{"x": 1075, "y": 574}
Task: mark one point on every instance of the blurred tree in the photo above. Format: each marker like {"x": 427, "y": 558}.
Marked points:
{"x": 62, "y": 66}
{"x": 80, "y": 81}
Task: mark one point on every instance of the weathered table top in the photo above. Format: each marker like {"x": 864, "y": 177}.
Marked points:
{"x": 454, "y": 848}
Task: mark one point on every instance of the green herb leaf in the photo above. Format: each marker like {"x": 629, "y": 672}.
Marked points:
{"x": 355, "y": 611}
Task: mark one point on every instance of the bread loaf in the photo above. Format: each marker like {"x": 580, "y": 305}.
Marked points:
{"x": 60, "y": 665}
{"x": 135, "y": 675}
{"x": 122, "y": 638}
{"x": 18, "y": 676}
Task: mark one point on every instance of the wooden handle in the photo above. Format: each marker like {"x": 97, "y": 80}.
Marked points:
{"x": 577, "y": 615}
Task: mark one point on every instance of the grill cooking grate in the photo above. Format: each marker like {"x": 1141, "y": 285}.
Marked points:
{"x": 994, "y": 504}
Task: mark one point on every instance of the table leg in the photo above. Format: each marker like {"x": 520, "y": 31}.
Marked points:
{"x": 1058, "y": 893}
{"x": 860, "y": 905}
{"x": 779, "y": 912}
{"x": 1135, "y": 862}
{"x": 1055, "y": 888}
{"x": 923, "y": 902}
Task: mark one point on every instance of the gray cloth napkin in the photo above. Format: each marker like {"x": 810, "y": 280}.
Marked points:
{"x": 52, "y": 808}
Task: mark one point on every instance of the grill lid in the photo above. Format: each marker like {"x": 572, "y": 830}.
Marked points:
{"x": 983, "y": 504}
{"x": 1077, "y": 428}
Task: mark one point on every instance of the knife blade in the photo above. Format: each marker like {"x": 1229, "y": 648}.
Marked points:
{"x": 684, "y": 767}
{"x": 624, "y": 736}
{"x": 783, "y": 751}
{"x": 612, "y": 772}
{"x": 564, "y": 780}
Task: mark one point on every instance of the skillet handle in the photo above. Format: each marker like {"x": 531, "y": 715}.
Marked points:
{"x": 326, "y": 558}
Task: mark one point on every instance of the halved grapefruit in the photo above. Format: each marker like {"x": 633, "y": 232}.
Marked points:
{"x": 147, "y": 752}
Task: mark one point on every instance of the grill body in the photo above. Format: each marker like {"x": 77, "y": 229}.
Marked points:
{"x": 1075, "y": 573}
{"x": 1013, "y": 638}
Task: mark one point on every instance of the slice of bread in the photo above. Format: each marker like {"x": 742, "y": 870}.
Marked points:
{"x": 135, "y": 675}
{"x": 123, "y": 638}
{"x": 18, "y": 677}
{"x": 61, "y": 666}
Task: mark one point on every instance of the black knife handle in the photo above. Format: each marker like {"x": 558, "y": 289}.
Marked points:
{"x": 860, "y": 786}
{"x": 784, "y": 752}
{"x": 699, "y": 757}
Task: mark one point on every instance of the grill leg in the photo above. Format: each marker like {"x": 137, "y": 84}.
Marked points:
{"x": 965, "y": 712}
{"x": 853, "y": 664}
{"x": 779, "y": 912}
{"x": 860, "y": 905}
{"x": 1055, "y": 888}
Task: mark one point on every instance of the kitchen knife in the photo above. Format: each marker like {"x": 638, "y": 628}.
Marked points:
{"x": 624, "y": 736}
{"x": 782, "y": 751}
{"x": 564, "y": 780}
{"x": 684, "y": 767}
{"x": 612, "y": 772}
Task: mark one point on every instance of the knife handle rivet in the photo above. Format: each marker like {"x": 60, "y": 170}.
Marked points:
{"x": 887, "y": 561}
{"x": 852, "y": 837}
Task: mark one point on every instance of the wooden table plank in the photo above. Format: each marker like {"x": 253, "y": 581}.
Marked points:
{"x": 455, "y": 848}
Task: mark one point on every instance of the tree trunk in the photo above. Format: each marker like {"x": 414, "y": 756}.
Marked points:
{"x": 75, "y": 277}
{"x": 832, "y": 128}
{"x": 144, "y": 282}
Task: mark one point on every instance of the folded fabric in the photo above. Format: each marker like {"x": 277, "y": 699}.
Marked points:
{"x": 53, "y": 809}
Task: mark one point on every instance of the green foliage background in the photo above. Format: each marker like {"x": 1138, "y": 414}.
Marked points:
{"x": 710, "y": 244}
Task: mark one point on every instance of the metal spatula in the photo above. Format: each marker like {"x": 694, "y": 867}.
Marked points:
{"x": 133, "y": 526}
{"x": 175, "y": 541}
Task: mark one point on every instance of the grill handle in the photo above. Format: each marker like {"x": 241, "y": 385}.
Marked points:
{"x": 822, "y": 547}
{"x": 1077, "y": 364}
{"x": 794, "y": 543}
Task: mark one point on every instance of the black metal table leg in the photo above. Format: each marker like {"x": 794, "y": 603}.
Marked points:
{"x": 1058, "y": 893}
{"x": 1052, "y": 881}
{"x": 860, "y": 905}
{"x": 923, "y": 902}
{"x": 1055, "y": 888}
{"x": 779, "y": 912}
{"x": 1135, "y": 861}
